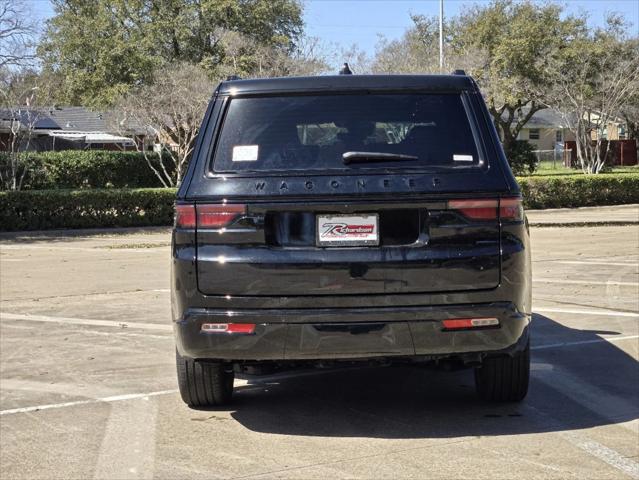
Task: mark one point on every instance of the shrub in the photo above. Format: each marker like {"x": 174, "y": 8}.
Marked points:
{"x": 47, "y": 209}
{"x": 564, "y": 191}
{"x": 96, "y": 208}
{"x": 83, "y": 169}
{"x": 521, "y": 158}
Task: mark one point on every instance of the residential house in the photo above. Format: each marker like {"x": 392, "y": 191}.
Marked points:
{"x": 552, "y": 140}
{"x": 67, "y": 128}
{"x": 546, "y": 130}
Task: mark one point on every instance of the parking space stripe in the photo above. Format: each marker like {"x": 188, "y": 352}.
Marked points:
{"x": 605, "y": 454}
{"x": 586, "y": 282}
{"x": 86, "y": 321}
{"x": 581, "y": 441}
{"x": 602, "y": 311}
{"x": 588, "y": 262}
{"x": 584, "y": 342}
{"x": 114, "y": 398}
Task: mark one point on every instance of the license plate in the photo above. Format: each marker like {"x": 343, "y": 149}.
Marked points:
{"x": 347, "y": 230}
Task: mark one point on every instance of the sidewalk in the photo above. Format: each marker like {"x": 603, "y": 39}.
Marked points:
{"x": 612, "y": 215}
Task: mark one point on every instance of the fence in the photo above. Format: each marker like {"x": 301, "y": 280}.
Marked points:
{"x": 622, "y": 153}
{"x": 549, "y": 159}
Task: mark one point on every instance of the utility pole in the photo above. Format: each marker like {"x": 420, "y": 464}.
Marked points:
{"x": 441, "y": 36}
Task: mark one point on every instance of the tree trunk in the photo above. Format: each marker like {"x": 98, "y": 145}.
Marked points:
{"x": 508, "y": 125}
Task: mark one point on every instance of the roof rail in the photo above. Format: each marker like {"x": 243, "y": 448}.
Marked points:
{"x": 459, "y": 72}
{"x": 232, "y": 77}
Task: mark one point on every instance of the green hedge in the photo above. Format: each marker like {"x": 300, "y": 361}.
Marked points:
{"x": 579, "y": 190}
{"x": 47, "y": 209}
{"x": 84, "y": 169}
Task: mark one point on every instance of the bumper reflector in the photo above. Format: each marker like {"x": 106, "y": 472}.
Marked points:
{"x": 462, "y": 323}
{"x": 245, "y": 328}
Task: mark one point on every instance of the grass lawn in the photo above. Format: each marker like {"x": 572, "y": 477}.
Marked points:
{"x": 547, "y": 168}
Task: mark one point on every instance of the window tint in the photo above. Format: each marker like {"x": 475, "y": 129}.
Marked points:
{"x": 313, "y": 132}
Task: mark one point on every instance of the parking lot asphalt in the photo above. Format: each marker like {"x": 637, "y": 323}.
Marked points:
{"x": 88, "y": 388}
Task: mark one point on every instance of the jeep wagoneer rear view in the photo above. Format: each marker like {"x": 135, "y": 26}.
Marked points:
{"x": 340, "y": 219}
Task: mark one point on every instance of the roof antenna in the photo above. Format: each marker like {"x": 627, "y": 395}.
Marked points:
{"x": 345, "y": 70}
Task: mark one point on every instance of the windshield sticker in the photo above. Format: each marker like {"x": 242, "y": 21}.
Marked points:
{"x": 462, "y": 158}
{"x": 245, "y": 153}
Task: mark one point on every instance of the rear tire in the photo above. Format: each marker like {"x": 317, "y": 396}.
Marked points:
{"x": 203, "y": 384}
{"x": 504, "y": 379}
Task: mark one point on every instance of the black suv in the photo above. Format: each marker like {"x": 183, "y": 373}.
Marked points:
{"x": 336, "y": 219}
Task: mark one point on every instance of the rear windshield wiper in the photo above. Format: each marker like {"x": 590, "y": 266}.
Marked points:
{"x": 363, "y": 157}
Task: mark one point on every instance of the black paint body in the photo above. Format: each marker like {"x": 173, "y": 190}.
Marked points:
{"x": 312, "y": 303}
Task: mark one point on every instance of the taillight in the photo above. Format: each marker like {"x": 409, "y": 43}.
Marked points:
{"x": 218, "y": 216}
{"x": 464, "y": 323}
{"x": 509, "y": 209}
{"x": 207, "y": 215}
{"x": 241, "y": 328}
{"x": 475, "y": 209}
{"x": 185, "y": 216}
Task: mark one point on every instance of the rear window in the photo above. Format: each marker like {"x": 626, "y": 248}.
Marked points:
{"x": 347, "y": 132}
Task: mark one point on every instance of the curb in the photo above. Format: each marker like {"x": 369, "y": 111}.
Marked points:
{"x": 612, "y": 223}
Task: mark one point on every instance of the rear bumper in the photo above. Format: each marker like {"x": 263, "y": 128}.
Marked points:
{"x": 350, "y": 333}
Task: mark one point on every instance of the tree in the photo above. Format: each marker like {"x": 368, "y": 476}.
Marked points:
{"x": 245, "y": 57}
{"x": 595, "y": 81}
{"x": 20, "y": 98}
{"x": 103, "y": 48}
{"x": 417, "y": 51}
{"x": 503, "y": 45}
{"x": 171, "y": 109}
{"x": 17, "y": 35}
{"x": 516, "y": 37}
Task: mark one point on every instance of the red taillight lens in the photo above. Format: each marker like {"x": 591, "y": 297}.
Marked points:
{"x": 185, "y": 216}
{"x": 461, "y": 323}
{"x": 511, "y": 209}
{"x": 245, "y": 328}
{"x": 218, "y": 216}
{"x": 475, "y": 209}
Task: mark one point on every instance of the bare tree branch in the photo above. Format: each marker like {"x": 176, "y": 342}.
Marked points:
{"x": 17, "y": 34}
{"x": 172, "y": 109}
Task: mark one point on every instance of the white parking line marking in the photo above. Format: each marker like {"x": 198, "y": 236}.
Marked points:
{"x": 608, "y": 455}
{"x": 603, "y": 312}
{"x": 580, "y": 262}
{"x": 586, "y": 282}
{"x": 596, "y": 449}
{"x": 114, "y": 398}
{"x": 85, "y": 321}
{"x": 135, "y": 457}
{"x": 584, "y": 342}
{"x": 615, "y": 409}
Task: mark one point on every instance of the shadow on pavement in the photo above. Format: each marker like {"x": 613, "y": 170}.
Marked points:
{"x": 417, "y": 402}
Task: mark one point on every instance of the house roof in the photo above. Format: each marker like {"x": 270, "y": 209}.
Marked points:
{"x": 64, "y": 118}
{"x": 547, "y": 118}
{"x": 76, "y": 118}
{"x": 26, "y": 117}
